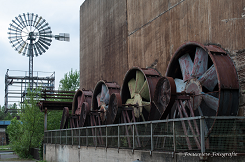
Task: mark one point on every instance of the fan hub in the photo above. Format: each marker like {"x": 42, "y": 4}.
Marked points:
{"x": 195, "y": 87}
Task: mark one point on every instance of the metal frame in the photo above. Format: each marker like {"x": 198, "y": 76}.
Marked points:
{"x": 119, "y": 136}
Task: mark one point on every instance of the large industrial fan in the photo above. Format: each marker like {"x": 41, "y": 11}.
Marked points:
{"x": 102, "y": 113}
{"x": 31, "y": 35}
{"x": 137, "y": 93}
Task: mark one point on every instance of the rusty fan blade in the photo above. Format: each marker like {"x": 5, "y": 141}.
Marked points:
{"x": 186, "y": 66}
{"x": 209, "y": 79}
{"x": 200, "y": 62}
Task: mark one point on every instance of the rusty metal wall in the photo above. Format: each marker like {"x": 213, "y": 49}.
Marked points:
{"x": 116, "y": 35}
{"x": 103, "y": 42}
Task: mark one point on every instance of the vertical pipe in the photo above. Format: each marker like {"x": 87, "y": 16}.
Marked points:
{"x": 202, "y": 135}
{"x": 51, "y": 138}
{"x": 174, "y": 140}
{"x": 60, "y": 137}
{"x": 95, "y": 137}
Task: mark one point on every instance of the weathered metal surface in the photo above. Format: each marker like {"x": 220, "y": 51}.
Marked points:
{"x": 164, "y": 97}
{"x": 101, "y": 97}
{"x": 138, "y": 91}
{"x": 65, "y": 118}
{"x": 214, "y": 91}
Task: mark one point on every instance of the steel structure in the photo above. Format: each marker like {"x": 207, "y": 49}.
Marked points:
{"x": 16, "y": 85}
{"x": 31, "y": 35}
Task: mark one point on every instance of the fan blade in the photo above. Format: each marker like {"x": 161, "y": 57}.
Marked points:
{"x": 139, "y": 81}
{"x": 211, "y": 101}
{"x": 186, "y": 66}
{"x": 131, "y": 87}
{"x": 42, "y": 26}
{"x": 40, "y": 23}
{"x": 35, "y": 50}
{"x": 107, "y": 98}
{"x": 209, "y": 78}
{"x": 46, "y": 47}
{"x": 45, "y": 39}
{"x": 147, "y": 105}
{"x": 103, "y": 92}
{"x": 40, "y": 47}
{"x": 15, "y": 30}
{"x": 180, "y": 85}
{"x": 98, "y": 99}
{"x": 130, "y": 101}
{"x": 200, "y": 62}
{"x": 28, "y": 19}
{"x": 144, "y": 92}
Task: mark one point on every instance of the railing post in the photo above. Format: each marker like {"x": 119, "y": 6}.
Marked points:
{"x": 60, "y": 137}
{"x": 95, "y": 133}
{"x": 79, "y": 131}
{"x": 152, "y": 146}
{"x": 66, "y": 136}
{"x": 118, "y": 137}
{"x": 106, "y": 137}
{"x": 174, "y": 140}
{"x": 202, "y": 134}
{"x": 51, "y": 138}
{"x": 133, "y": 139}
{"x": 71, "y": 136}
{"x": 86, "y": 136}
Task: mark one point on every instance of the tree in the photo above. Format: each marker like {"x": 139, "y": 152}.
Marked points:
{"x": 28, "y": 132}
{"x": 70, "y": 82}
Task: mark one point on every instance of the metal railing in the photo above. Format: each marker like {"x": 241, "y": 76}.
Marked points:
{"x": 197, "y": 134}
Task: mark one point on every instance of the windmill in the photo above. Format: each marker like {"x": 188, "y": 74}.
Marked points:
{"x": 31, "y": 35}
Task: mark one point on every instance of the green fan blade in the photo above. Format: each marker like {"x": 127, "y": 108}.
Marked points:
{"x": 139, "y": 81}
{"x": 146, "y": 105}
{"x": 144, "y": 92}
{"x": 131, "y": 87}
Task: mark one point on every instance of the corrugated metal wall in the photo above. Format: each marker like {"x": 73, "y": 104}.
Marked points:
{"x": 116, "y": 35}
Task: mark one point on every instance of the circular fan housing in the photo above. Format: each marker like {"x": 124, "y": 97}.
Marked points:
{"x": 209, "y": 73}
{"x": 101, "y": 98}
{"x": 138, "y": 92}
{"x": 81, "y": 97}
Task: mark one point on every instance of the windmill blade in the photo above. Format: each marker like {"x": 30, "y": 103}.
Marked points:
{"x": 25, "y": 20}
{"x": 40, "y": 23}
{"x": 25, "y": 48}
{"x": 200, "y": 62}
{"x": 15, "y": 37}
{"x": 209, "y": 79}
{"x": 211, "y": 101}
{"x": 22, "y": 45}
{"x": 131, "y": 87}
{"x": 31, "y": 18}
{"x": 44, "y": 42}
{"x": 43, "y": 45}
{"x": 180, "y": 85}
{"x": 22, "y": 21}
{"x": 40, "y": 47}
{"x": 28, "y": 19}
{"x": 17, "y": 28}
{"x": 35, "y": 50}
{"x": 19, "y": 21}
{"x": 43, "y": 26}
{"x": 35, "y": 20}
{"x": 186, "y": 66}
{"x": 45, "y": 32}
{"x": 39, "y": 20}
{"x": 45, "y": 39}
{"x": 139, "y": 81}
{"x": 144, "y": 92}
{"x": 16, "y": 24}
{"x": 16, "y": 40}
{"x": 103, "y": 92}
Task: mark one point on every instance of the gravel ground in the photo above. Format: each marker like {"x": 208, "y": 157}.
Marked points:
{"x": 11, "y": 157}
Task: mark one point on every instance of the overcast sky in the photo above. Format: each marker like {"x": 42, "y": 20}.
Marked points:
{"x": 63, "y": 17}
